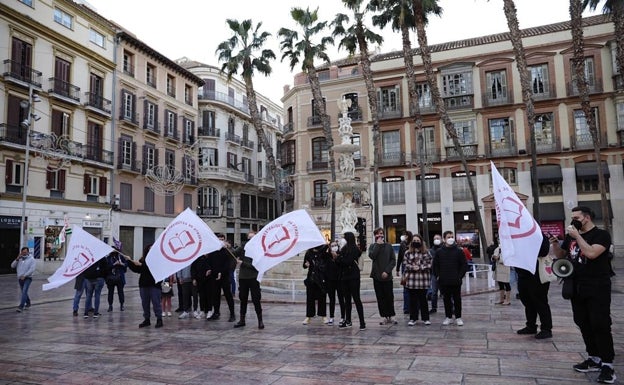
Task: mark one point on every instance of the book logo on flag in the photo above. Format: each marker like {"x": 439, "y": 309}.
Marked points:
{"x": 523, "y": 224}
{"x": 82, "y": 260}
{"x": 180, "y": 242}
{"x": 279, "y": 239}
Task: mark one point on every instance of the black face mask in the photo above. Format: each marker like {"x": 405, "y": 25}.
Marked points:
{"x": 416, "y": 245}
{"x": 577, "y": 224}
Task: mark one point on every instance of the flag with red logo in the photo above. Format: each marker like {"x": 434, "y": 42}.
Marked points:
{"x": 185, "y": 239}
{"x": 520, "y": 235}
{"x": 83, "y": 251}
{"x": 282, "y": 239}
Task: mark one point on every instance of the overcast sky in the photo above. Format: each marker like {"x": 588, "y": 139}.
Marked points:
{"x": 194, "y": 28}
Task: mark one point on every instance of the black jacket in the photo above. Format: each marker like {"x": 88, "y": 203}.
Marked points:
{"x": 449, "y": 265}
{"x": 99, "y": 269}
{"x": 347, "y": 261}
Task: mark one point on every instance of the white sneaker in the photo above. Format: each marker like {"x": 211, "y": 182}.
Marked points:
{"x": 209, "y": 314}
{"x": 447, "y": 321}
{"x": 427, "y": 322}
{"x": 330, "y": 321}
{"x": 184, "y": 315}
{"x": 169, "y": 314}
{"x": 411, "y": 323}
{"x": 459, "y": 322}
{"x": 306, "y": 320}
{"x": 325, "y": 320}
{"x": 200, "y": 315}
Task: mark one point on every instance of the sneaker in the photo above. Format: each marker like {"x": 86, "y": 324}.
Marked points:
{"x": 75, "y": 313}
{"x": 392, "y": 321}
{"x": 184, "y": 315}
{"x": 527, "y": 330}
{"x": 209, "y": 314}
{"x": 342, "y": 324}
{"x": 121, "y": 308}
{"x": 306, "y": 321}
{"x": 86, "y": 315}
{"x": 411, "y": 323}
{"x": 169, "y": 314}
{"x": 199, "y": 315}
{"x": 447, "y": 321}
{"x": 348, "y": 324}
{"x": 159, "y": 323}
{"x": 607, "y": 375}
{"x": 213, "y": 317}
{"x": 427, "y": 322}
{"x": 325, "y": 320}
{"x": 588, "y": 365}
{"x": 330, "y": 321}
{"x": 96, "y": 315}
{"x": 459, "y": 322}
{"x": 362, "y": 326}
{"x": 433, "y": 310}
{"x": 27, "y": 306}
{"x": 543, "y": 334}
{"x": 19, "y": 309}
{"x": 145, "y": 323}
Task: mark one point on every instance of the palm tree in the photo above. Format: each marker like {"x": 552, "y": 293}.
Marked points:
{"x": 580, "y": 80}
{"x": 304, "y": 52}
{"x": 400, "y": 15}
{"x": 615, "y": 8}
{"x": 511, "y": 14}
{"x": 422, "y": 8}
{"x": 251, "y": 57}
{"x": 358, "y": 36}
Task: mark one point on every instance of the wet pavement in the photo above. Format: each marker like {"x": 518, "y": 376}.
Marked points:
{"x": 47, "y": 345}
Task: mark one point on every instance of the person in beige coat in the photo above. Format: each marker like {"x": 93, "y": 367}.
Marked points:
{"x": 502, "y": 275}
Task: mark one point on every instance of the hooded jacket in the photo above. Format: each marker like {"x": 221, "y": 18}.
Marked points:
{"x": 25, "y": 266}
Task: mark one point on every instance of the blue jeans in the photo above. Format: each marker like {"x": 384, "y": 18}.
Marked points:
{"x": 434, "y": 292}
{"x": 24, "y": 286}
{"x": 78, "y": 295}
{"x": 94, "y": 288}
{"x": 151, "y": 294}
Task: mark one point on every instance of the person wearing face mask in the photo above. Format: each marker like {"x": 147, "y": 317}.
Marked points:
{"x": 248, "y": 283}
{"x": 332, "y": 284}
{"x": 588, "y": 247}
{"x": 449, "y": 265}
{"x": 406, "y": 239}
{"x": 25, "y": 266}
{"x": 384, "y": 261}
{"x": 417, "y": 265}
{"x": 221, "y": 262}
{"x": 315, "y": 261}
{"x": 433, "y": 290}
{"x": 348, "y": 259}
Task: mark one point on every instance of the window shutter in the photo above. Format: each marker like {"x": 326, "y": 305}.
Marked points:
{"x": 102, "y": 191}
{"x": 145, "y": 116}
{"x": 120, "y": 154}
{"x": 61, "y": 180}
{"x": 156, "y": 128}
{"x": 144, "y": 162}
{"x": 8, "y": 178}
{"x": 184, "y": 130}
{"x": 133, "y": 156}
{"x": 122, "y": 105}
{"x": 86, "y": 185}
{"x": 49, "y": 176}
{"x": 156, "y": 160}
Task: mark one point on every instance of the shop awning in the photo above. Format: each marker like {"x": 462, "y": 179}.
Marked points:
{"x": 588, "y": 169}
{"x": 553, "y": 211}
{"x": 595, "y": 206}
{"x": 549, "y": 172}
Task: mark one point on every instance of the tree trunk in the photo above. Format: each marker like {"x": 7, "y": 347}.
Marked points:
{"x": 576, "y": 22}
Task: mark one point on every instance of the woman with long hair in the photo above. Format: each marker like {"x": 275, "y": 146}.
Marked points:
{"x": 347, "y": 259}
{"x": 149, "y": 290}
{"x": 417, "y": 272}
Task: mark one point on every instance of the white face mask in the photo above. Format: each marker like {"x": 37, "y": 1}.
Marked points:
{"x": 450, "y": 241}
{"x": 403, "y": 238}
{"x": 437, "y": 242}
{"x": 342, "y": 242}
{"x": 334, "y": 248}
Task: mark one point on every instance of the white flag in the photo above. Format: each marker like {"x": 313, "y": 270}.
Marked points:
{"x": 83, "y": 251}
{"x": 281, "y": 239}
{"x": 185, "y": 239}
{"x": 520, "y": 235}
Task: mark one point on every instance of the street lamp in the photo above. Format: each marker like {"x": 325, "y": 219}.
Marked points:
{"x": 27, "y": 124}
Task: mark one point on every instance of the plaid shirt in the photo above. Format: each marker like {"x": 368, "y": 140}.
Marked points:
{"x": 417, "y": 270}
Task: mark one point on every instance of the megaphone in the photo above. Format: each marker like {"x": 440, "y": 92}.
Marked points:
{"x": 562, "y": 268}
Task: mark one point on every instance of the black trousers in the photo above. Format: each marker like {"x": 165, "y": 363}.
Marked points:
{"x": 334, "y": 289}
{"x": 245, "y": 286}
{"x": 385, "y": 298}
{"x": 111, "y": 292}
{"x": 451, "y": 294}
{"x": 534, "y": 297}
{"x": 417, "y": 299}
{"x": 351, "y": 290}
{"x": 186, "y": 289}
{"x": 315, "y": 296}
{"x": 591, "y": 308}
{"x": 204, "y": 291}
{"x": 222, "y": 284}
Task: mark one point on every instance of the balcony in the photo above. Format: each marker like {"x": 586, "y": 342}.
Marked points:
{"x": 618, "y": 82}
{"x": 547, "y": 91}
{"x": 248, "y": 143}
{"x": 97, "y": 103}
{"x": 585, "y": 142}
{"x": 360, "y": 162}
{"x": 128, "y": 69}
{"x": 459, "y": 102}
{"x": 64, "y": 89}
{"x": 318, "y": 202}
{"x": 594, "y": 88}
{"x": 430, "y": 155}
{"x": 250, "y": 178}
{"x": 171, "y": 133}
{"x": 501, "y": 149}
{"x": 288, "y": 128}
{"x": 12, "y": 134}
{"x": 470, "y": 152}
{"x": 355, "y": 113}
{"x": 129, "y": 117}
{"x": 545, "y": 145}
{"x": 427, "y": 108}
{"x": 389, "y": 112}
{"x": 224, "y": 98}
{"x": 496, "y": 99}
{"x": 209, "y": 131}
{"x": 210, "y": 211}
{"x": 171, "y": 91}
{"x": 392, "y": 159}
{"x": 134, "y": 166}
{"x": 314, "y": 165}
{"x": 20, "y": 72}
{"x": 97, "y": 154}
{"x": 153, "y": 128}
{"x": 220, "y": 173}
{"x": 315, "y": 121}
{"x": 231, "y": 137}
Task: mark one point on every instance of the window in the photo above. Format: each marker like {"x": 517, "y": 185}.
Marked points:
{"x": 171, "y": 86}
{"x": 189, "y": 131}
{"x": 188, "y": 200}
{"x": 496, "y": 86}
{"x": 424, "y": 96}
{"x": 95, "y": 141}
{"x": 393, "y": 190}
{"x": 126, "y": 155}
{"x": 188, "y": 94}
{"x": 148, "y": 200}
{"x": 94, "y": 185}
{"x": 171, "y": 119}
{"x": 63, "y": 18}
{"x": 169, "y": 204}
{"x": 231, "y": 126}
{"x": 391, "y": 145}
{"x": 208, "y": 120}
{"x": 259, "y": 168}
{"x": 539, "y": 80}
{"x": 208, "y": 201}
{"x": 457, "y": 83}
{"x": 466, "y": 133}
{"x": 501, "y": 135}
{"x": 128, "y": 106}
{"x": 288, "y": 153}
{"x": 549, "y": 187}
{"x": 432, "y": 188}
{"x": 170, "y": 159}
{"x": 320, "y": 193}
{"x": 150, "y": 75}
{"x": 96, "y": 38}
{"x": 60, "y": 123}
{"x": 353, "y": 110}
{"x": 590, "y": 75}
{"x": 96, "y": 92}
{"x": 208, "y": 157}
{"x": 544, "y": 129}
{"x": 125, "y": 196}
{"x": 357, "y": 156}
{"x": 232, "y": 161}
{"x": 14, "y": 173}
{"x": 27, "y": 2}
{"x": 207, "y": 91}
{"x": 461, "y": 190}
{"x": 189, "y": 168}
{"x": 62, "y": 71}
{"x": 620, "y": 116}
{"x": 581, "y": 128}
{"x": 150, "y": 116}
{"x": 389, "y": 99}
{"x": 509, "y": 174}
{"x": 320, "y": 151}
{"x": 150, "y": 155}
{"x": 128, "y": 63}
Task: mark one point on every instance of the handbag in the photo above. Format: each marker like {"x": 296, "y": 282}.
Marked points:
{"x": 567, "y": 288}
{"x": 546, "y": 273}
{"x": 165, "y": 287}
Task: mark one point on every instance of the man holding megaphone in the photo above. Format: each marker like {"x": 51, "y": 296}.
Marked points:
{"x": 588, "y": 248}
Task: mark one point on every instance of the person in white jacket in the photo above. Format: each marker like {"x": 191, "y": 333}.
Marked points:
{"x": 25, "y": 266}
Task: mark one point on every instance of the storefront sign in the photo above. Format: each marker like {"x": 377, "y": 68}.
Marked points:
{"x": 7, "y": 222}
{"x": 461, "y": 174}
{"x": 93, "y": 224}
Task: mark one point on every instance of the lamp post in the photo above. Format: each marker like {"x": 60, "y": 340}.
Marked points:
{"x": 423, "y": 195}
{"x": 31, "y": 117}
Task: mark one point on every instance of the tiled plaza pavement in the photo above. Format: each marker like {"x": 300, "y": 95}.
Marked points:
{"x": 47, "y": 345}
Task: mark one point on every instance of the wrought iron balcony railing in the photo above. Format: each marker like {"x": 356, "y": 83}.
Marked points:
{"x": 22, "y": 72}
{"x": 63, "y": 88}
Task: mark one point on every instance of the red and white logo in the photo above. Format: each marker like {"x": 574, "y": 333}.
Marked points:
{"x": 180, "y": 242}
{"x": 82, "y": 260}
{"x": 523, "y": 224}
{"x": 278, "y": 239}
